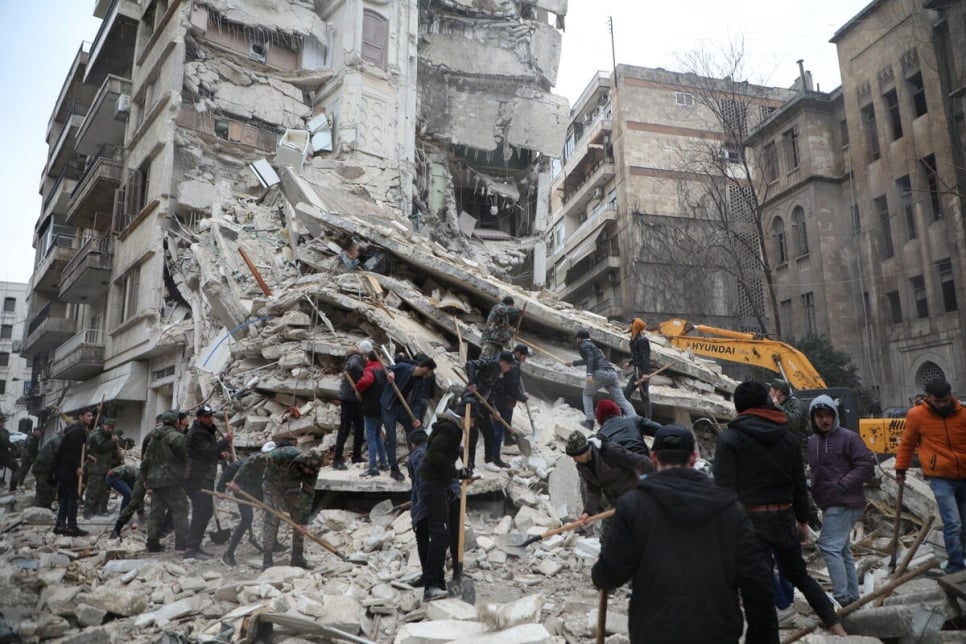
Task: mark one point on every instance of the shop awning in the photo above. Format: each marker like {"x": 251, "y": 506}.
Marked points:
{"x": 586, "y": 247}
{"x": 127, "y": 382}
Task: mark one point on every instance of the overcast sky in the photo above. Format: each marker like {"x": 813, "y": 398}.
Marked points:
{"x": 43, "y": 36}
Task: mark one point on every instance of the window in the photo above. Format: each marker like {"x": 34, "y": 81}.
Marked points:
{"x": 856, "y": 221}
{"x": 683, "y": 99}
{"x": 932, "y": 186}
{"x": 6, "y": 331}
{"x": 4, "y": 359}
{"x": 769, "y": 160}
{"x": 946, "y": 285}
{"x": 3, "y": 386}
{"x": 9, "y": 304}
{"x": 375, "y": 39}
{"x": 891, "y": 100}
{"x": 790, "y": 145}
{"x": 895, "y": 306}
{"x": 808, "y": 303}
{"x": 785, "y": 315}
{"x": 734, "y": 117}
{"x": 904, "y": 188}
{"x": 130, "y": 285}
{"x": 918, "y": 92}
{"x": 781, "y": 247}
{"x": 844, "y": 132}
{"x": 799, "y": 231}
{"x": 871, "y": 131}
{"x": 882, "y": 209}
{"x": 918, "y": 285}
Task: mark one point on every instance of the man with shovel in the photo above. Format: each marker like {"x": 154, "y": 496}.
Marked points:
{"x": 203, "y": 450}
{"x": 691, "y": 553}
{"x": 289, "y": 486}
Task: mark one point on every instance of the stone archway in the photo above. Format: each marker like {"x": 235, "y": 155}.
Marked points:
{"x": 927, "y": 372}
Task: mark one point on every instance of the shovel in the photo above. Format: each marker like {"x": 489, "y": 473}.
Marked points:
{"x": 462, "y": 586}
{"x": 516, "y": 544}
{"x": 523, "y": 444}
{"x": 384, "y": 512}
{"x": 219, "y": 535}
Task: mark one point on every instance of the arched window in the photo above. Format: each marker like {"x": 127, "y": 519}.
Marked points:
{"x": 780, "y": 244}
{"x": 927, "y": 372}
{"x": 798, "y": 230}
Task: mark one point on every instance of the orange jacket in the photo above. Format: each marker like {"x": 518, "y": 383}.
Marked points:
{"x": 941, "y": 441}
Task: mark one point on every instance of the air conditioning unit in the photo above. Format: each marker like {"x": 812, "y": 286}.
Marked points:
{"x": 123, "y": 107}
{"x": 724, "y": 154}
{"x": 258, "y": 51}
{"x": 599, "y": 192}
{"x": 17, "y": 346}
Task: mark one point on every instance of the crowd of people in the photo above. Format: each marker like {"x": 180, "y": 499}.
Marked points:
{"x": 719, "y": 553}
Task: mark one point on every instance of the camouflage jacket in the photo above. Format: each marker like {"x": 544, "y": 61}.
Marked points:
{"x": 5, "y": 444}
{"x": 105, "y": 449}
{"x": 283, "y": 476}
{"x": 500, "y": 323}
{"x": 164, "y": 463}
{"x": 30, "y": 448}
{"x": 45, "y": 456}
{"x": 127, "y": 473}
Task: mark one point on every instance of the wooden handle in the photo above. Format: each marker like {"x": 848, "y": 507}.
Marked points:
{"x": 395, "y": 387}
{"x": 602, "y": 617}
{"x": 348, "y": 376}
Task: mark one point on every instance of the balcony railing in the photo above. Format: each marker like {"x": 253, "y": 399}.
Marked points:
{"x": 60, "y": 237}
{"x": 95, "y": 252}
{"x": 73, "y": 170}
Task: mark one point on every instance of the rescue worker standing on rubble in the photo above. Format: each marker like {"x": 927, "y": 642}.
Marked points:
{"x": 244, "y": 475}
{"x": 371, "y": 385}
{"x": 507, "y": 392}
{"x": 7, "y": 459}
{"x": 68, "y": 471}
{"x": 641, "y": 361}
{"x": 203, "y": 450}
{"x": 407, "y": 378}
{"x": 28, "y": 454}
{"x": 600, "y": 373}
{"x": 289, "y": 486}
{"x": 936, "y": 428}
{"x": 44, "y": 478}
{"x": 122, "y": 478}
{"x": 436, "y": 474}
{"x": 163, "y": 468}
{"x": 103, "y": 453}
{"x": 626, "y": 431}
{"x": 138, "y": 490}
{"x": 607, "y": 470}
{"x": 841, "y": 465}
{"x": 499, "y": 328}
{"x": 350, "y": 405}
{"x": 691, "y": 554}
{"x": 758, "y": 458}
{"x": 482, "y": 377}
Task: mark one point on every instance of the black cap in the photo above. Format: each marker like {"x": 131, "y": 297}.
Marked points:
{"x": 522, "y": 348}
{"x": 583, "y": 334}
{"x": 673, "y": 437}
{"x": 205, "y": 410}
{"x": 782, "y": 386}
{"x": 418, "y": 437}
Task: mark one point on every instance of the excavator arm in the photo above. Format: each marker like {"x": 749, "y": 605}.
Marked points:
{"x": 744, "y": 348}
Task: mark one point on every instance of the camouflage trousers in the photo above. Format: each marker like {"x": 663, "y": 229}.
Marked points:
{"x": 45, "y": 492}
{"x": 25, "y": 466}
{"x": 164, "y": 498}
{"x": 298, "y": 505}
{"x": 97, "y": 493}
{"x": 136, "y": 504}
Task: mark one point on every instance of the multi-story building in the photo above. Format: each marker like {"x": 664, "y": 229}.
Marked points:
{"x": 14, "y": 367}
{"x": 645, "y": 151}
{"x": 903, "y": 96}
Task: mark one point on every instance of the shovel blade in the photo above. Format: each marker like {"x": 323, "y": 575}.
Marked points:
{"x": 220, "y": 536}
{"x": 381, "y": 513}
{"x": 513, "y": 544}
{"x": 463, "y": 588}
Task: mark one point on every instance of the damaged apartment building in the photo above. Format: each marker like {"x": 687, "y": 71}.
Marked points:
{"x": 427, "y": 125}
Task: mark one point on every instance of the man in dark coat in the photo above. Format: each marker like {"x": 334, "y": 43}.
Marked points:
{"x": 759, "y": 458}
{"x": 600, "y": 373}
{"x": 691, "y": 553}
{"x": 607, "y": 469}
{"x": 31, "y": 447}
{"x": 483, "y": 377}
{"x": 7, "y": 459}
{"x": 68, "y": 469}
{"x": 350, "y": 405}
{"x": 626, "y": 431}
{"x": 417, "y": 445}
{"x": 407, "y": 378}
{"x": 203, "y": 450}
{"x": 641, "y": 361}
{"x": 44, "y": 474}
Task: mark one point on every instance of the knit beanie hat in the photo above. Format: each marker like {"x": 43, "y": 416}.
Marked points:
{"x": 576, "y": 443}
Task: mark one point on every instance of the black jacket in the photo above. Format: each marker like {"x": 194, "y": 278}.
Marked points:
{"x": 508, "y": 388}
{"x": 628, "y": 432}
{"x": 611, "y": 471}
{"x": 592, "y": 357}
{"x": 691, "y": 552}
{"x": 354, "y": 365}
{"x": 68, "y": 456}
{"x": 641, "y": 354}
{"x": 442, "y": 450}
{"x": 759, "y": 458}
{"x": 202, "y": 452}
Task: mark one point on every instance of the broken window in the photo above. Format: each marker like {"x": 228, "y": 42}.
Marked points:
{"x": 801, "y": 233}
{"x": 918, "y": 91}
{"x": 892, "y": 107}
{"x": 871, "y": 131}
{"x": 375, "y": 39}
{"x": 918, "y": 285}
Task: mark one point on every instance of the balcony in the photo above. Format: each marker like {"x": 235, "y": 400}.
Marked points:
{"x": 112, "y": 51}
{"x": 606, "y": 212}
{"x": 104, "y": 124}
{"x": 71, "y": 91}
{"x": 50, "y": 328}
{"x": 91, "y": 203}
{"x": 81, "y": 357}
{"x": 581, "y": 187}
{"x": 61, "y": 151}
{"x": 59, "y": 249}
{"x": 595, "y": 137}
{"x": 590, "y": 272}
{"x": 87, "y": 275}
{"x": 55, "y": 198}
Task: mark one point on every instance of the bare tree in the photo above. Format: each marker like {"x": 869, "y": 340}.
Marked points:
{"x": 721, "y": 194}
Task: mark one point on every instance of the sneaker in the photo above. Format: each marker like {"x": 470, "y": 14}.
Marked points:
{"x": 59, "y": 529}
{"x": 397, "y": 475}
{"x": 383, "y": 467}
{"x": 370, "y": 473}
{"x": 418, "y": 582}
{"x": 229, "y": 559}
{"x": 501, "y": 464}
{"x": 589, "y": 424}
{"x": 786, "y": 617}
{"x": 76, "y": 532}
{"x": 339, "y": 464}
{"x": 358, "y": 459}
{"x": 490, "y": 467}
{"x": 196, "y": 553}
{"x": 432, "y": 594}
{"x": 154, "y": 546}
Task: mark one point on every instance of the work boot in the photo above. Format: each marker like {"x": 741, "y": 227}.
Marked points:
{"x": 59, "y": 529}
{"x": 457, "y": 571}
{"x": 279, "y": 547}
{"x": 197, "y": 553}
{"x": 229, "y": 559}
{"x": 299, "y": 561}
{"x": 432, "y": 594}
{"x": 76, "y": 532}
{"x": 418, "y": 582}
{"x": 154, "y": 546}
{"x": 116, "y": 532}
{"x": 397, "y": 475}
{"x": 339, "y": 464}
{"x": 267, "y": 561}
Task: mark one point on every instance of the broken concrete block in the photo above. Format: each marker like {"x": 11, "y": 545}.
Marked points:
{"x": 549, "y": 567}
{"x": 522, "y": 634}
{"x": 278, "y": 575}
{"x": 451, "y": 608}
{"x": 51, "y": 626}
{"x": 437, "y": 632}
{"x": 527, "y": 517}
{"x": 308, "y": 606}
{"x": 88, "y": 615}
{"x": 522, "y": 611}
{"x": 587, "y": 547}
{"x": 37, "y": 515}
{"x": 119, "y": 601}
{"x": 344, "y": 613}
{"x": 181, "y": 608}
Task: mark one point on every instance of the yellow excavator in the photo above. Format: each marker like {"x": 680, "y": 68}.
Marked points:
{"x": 881, "y": 435}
